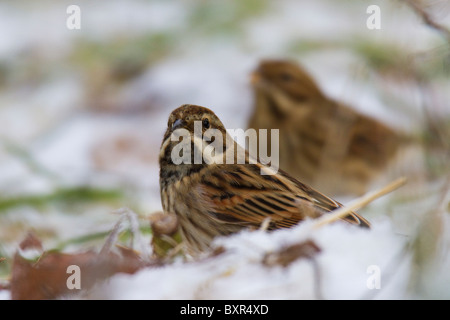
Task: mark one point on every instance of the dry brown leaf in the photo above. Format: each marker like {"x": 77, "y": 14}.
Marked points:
{"x": 48, "y": 277}
{"x": 285, "y": 256}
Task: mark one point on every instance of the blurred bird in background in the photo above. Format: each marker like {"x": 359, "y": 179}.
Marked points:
{"x": 322, "y": 142}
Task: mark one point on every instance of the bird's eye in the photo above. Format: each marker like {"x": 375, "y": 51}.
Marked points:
{"x": 285, "y": 76}
{"x": 206, "y": 123}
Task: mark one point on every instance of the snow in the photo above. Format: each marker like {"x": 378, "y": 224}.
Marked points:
{"x": 347, "y": 253}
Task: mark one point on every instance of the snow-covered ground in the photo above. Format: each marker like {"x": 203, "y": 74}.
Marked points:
{"x": 353, "y": 264}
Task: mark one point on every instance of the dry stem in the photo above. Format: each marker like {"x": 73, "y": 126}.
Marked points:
{"x": 358, "y": 203}
{"x": 428, "y": 20}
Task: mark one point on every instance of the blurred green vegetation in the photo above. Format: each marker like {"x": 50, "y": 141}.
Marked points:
{"x": 68, "y": 197}
{"x": 301, "y": 47}
{"x": 98, "y": 237}
{"x": 384, "y": 57}
{"x": 215, "y": 18}
{"x": 124, "y": 57}
{"x": 394, "y": 59}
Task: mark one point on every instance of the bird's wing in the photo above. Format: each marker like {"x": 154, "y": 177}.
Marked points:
{"x": 241, "y": 195}
{"x": 327, "y": 205}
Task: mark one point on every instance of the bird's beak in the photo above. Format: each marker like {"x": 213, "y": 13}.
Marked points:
{"x": 177, "y": 124}
{"x": 255, "y": 77}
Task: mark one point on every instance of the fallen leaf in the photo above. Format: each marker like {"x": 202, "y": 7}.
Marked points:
{"x": 56, "y": 274}
{"x": 285, "y": 256}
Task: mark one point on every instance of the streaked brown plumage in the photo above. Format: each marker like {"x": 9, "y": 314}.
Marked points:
{"x": 323, "y": 142}
{"x": 220, "y": 199}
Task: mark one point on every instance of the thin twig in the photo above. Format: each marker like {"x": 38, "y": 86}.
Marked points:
{"x": 427, "y": 246}
{"x": 112, "y": 237}
{"x": 428, "y": 20}
{"x": 358, "y": 203}
{"x": 131, "y": 216}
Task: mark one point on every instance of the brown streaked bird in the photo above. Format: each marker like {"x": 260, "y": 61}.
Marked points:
{"x": 323, "y": 142}
{"x": 212, "y": 199}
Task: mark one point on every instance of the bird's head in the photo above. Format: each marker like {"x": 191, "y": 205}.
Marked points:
{"x": 190, "y": 129}
{"x": 284, "y": 77}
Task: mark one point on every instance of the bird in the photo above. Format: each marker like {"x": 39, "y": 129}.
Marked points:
{"x": 323, "y": 142}
{"x": 220, "y": 198}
